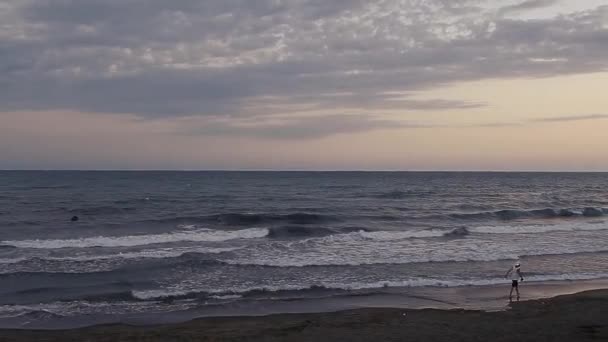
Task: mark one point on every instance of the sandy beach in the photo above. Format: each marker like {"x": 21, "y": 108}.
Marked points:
{"x": 578, "y": 317}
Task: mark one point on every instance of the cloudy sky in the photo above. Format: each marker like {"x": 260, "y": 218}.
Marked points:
{"x": 304, "y": 84}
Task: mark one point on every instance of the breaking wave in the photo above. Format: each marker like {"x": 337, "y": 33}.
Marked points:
{"x": 392, "y": 260}
{"x": 209, "y": 235}
{"x": 511, "y": 214}
{"x": 162, "y": 253}
{"x": 178, "y": 294}
{"x": 412, "y": 234}
{"x": 307, "y": 231}
{"x": 249, "y": 219}
{"x": 536, "y": 229}
{"x": 199, "y": 235}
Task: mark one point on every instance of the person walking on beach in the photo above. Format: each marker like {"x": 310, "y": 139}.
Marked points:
{"x": 516, "y": 276}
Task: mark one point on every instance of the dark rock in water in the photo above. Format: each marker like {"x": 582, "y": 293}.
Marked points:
{"x": 75, "y": 218}
{"x": 592, "y": 212}
{"x": 458, "y": 232}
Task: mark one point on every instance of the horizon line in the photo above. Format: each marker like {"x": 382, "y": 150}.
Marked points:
{"x": 302, "y": 170}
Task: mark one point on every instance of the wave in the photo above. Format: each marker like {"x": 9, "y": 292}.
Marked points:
{"x": 412, "y": 234}
{"x": 512, "y": 214}
{"x": 399, "y": 194}
{"x": 188, "y": 233}
{"x": 38, "y": 315}
{"x": 283, "y": 260}
{"x": 226, "y": 297}
{"x": 243, "y": 292}
{"x": 465, "y": 231}
{"x": 202, "y": 261}
{"x": 357, "y": 232}
{"x": 308, "y": 231}
{"x": 200, "y": 235}
{"x": 594, "y": 212}
{"x": 209, "y": 235}
{"x": 12, "y": 261}
{"x": 536, "y": 229}
{"x": 100, "y": 210}
{"x": 146, "y": 200}
{"x": 41, "y": 187}
{"x": 163, "y": 253}
{"x": 294, "y": 218}
{"x": 248, "y": 219}
{"x": 176, "y": 299}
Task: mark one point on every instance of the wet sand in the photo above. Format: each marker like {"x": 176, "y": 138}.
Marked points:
{"x": 578, "y": 317}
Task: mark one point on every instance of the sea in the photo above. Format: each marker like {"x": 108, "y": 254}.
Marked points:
{"x": 169, "y": 246}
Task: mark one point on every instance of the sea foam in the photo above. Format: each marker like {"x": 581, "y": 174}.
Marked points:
{"x": 201, "y": 235}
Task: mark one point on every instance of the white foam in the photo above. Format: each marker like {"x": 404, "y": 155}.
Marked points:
{"x": 435, "y": 282}
{"x": 498, "y": 229}
{"x": 400, "y": 235}
{"x": 12, "y": 261}
{"x": 146, "y": 254}
{"x": 237, "y": 292}
{"x": 186, "y": 226}
{"x": 335, "y": 261}
{"x": 227, "y": 297}
{"x": 353, "y": 250}
{"x": 77, "y": 308}
{"x": 231, "y": 291}
{"x": 201, "y": 235}
{"x": 157, "y": 294}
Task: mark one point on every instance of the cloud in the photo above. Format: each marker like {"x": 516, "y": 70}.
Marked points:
{"x": 526, "y": 6}
{"x": 573, "y": 118}
{"x": 301, "y": 128}
{"x": 499, "y": 125}
{"x": 545, "y": 120}
{"x": 240, "y": 58}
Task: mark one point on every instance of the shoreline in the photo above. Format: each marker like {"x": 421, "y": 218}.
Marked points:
{"x": 487, "y": 298}
{"x": 570, "y": 317}
{"x": 578, "y": 317}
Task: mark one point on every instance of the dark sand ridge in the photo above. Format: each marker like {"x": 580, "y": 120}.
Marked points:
{"x": 578, "y": 317}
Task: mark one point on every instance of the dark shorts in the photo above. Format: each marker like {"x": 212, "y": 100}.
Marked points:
{"x": 514, "y": 284}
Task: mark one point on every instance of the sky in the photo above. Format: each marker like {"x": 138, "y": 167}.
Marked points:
{"x": 304, "y": 84}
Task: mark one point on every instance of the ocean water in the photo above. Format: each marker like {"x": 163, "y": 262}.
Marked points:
{"x": 168, "y": 242}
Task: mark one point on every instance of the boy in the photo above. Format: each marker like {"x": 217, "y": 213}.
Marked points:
{"x": 516, "y": 276}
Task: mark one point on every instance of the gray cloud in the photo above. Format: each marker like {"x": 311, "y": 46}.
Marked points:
{"x": 526, "y": 6}
{"x": 241, "y": 58}
{"x": 573, "y": 118}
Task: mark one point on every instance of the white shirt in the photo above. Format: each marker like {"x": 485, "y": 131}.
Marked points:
{"x": 515, "y": 275}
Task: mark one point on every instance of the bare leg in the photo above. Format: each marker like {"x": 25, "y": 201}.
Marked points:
{"x": 511, "y": 294}
{"x": 517, "y": 291}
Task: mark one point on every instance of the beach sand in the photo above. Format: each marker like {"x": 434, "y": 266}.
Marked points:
{"x": 577, "y": 317}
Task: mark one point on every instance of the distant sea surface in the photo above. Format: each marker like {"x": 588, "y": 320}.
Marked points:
{"x": 163, "y": 242}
